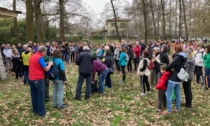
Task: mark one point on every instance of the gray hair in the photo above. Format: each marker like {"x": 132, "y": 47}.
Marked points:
{"x": 41, "y": 49}
{"x": 86, "y": 48}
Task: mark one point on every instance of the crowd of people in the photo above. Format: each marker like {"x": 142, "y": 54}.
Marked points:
{"x": 151, "y": 62}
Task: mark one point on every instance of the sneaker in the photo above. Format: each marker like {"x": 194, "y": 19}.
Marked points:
{"x": 148, "y": 92}
{"x": 143, "y": 94}
{"x": 77, "y": 98}
{"x": 158, "y": 110}
{"x": 62, "y": 107}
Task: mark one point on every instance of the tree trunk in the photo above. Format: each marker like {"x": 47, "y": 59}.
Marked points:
{"x": 170, "y": 27}
{"x": 176, "y": 20}
{"x": 29, "y": 21}
{"x": 180, "y": 19}
{"x": 145, "y": 20}
{"x": 15, "y": 20}
{"x": 158, "y": 19}
{"x": 153, "y": 18}
{"x": 62, "y": 11}
{"x": 163, "y": 20}
{"x": 115, "y": 20}
{"x": 185, "y": 20}
{"x": 39, "y": 21}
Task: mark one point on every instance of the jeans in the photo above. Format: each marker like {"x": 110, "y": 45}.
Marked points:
{"x": 25, "y": 80}
{"x": 37, "y": 96}
{"x": 123, "y": 73}
{"x": 207, "y": 77}
{"x": 58, "y": 89}
{"x": 102, "y": 77}
{"x": 187, "y": 93}
{"x": 67, "y": 57}
{"x": 80, "y": 83}
{"x": 117, "y": 65}
{"x": 136, "y": 62}
{"x": 169, "y": 90}
{"x": 108, "y": 82}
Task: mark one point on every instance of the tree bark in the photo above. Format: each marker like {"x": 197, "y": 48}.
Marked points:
{"x": 144, "y": 7}
{"x": 153, "y": 18}
{"x": 29, "y": 21}
{"x": 39, "y": 21}
{"x": 62, "y": 28}
{"x": 176, "y": 20}
{"x": 15, "y": 20}
{"x": 180, "y": 19}
{"x": 163, "y": 20}
{"x": 170, "y": 27}
{"x": 185, "y": 20}
{"x": 115, "y": 20}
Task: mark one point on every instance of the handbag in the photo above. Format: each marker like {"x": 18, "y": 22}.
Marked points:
{"x": 183, "y": 75}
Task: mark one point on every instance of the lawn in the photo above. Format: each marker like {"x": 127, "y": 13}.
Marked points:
{"x": 121, "y": 105}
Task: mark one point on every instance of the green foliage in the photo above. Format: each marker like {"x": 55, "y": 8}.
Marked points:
{"x": 98, "y": 37}
{"x": 74, "y": 38}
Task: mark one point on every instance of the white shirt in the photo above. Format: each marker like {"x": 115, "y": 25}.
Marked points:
{"x": 7, "y": 52}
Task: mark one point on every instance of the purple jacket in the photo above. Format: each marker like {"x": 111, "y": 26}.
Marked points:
{"x": 98, "y": 67}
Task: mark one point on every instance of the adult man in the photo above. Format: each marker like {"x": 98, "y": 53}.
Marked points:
{"x": 8, "y": 57}
{"x": 137, "y": 51}
{"x": 85, "y": 63}
{"x": 37, "y": 66}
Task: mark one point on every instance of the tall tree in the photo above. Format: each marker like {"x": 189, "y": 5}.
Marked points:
{"x": 38, "y": 21}
{"x": 15, "y": 20}
{"x": 180, "y": 18}
{"x": 163, "y": 20}
{"x": 115, "y": 20}
{"x": 29, "y": 21}
{"x": 144, "y": 7}
{"x": 170, "y": 20}
{"x": 153, "y": 18}
{"x": 185, "y": 20}
{"x": 62, "y": 11}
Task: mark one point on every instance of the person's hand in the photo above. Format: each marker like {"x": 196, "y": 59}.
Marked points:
{"x": 50, "y": 63}
{"x": 92, "y": 82}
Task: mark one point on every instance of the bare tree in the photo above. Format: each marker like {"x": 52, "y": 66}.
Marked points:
{"x": 153, "y": 19}
{"x": 144, "y": 7}
{"x": 185, "y": 20}
{"x": 180, "y": 18}
{"x": 163, "y": 20}
{"x": 62, "y": 11}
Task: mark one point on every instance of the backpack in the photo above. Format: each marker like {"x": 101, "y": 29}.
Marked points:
{"x": 53, "y": 72}
{"x": 151, "y": 65}
{"x": 182, "y": 74}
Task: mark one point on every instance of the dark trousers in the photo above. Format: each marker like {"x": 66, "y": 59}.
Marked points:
{"x": 199, "y": 74}
{"x": 26, "y": 80}
{"x": 136, "y": 62}
{"x": 108, "y": 82}
{"x": 123, "y": 73}
{"x": 144, "y": 81}
{"x": 129, "y": 65}
{"x": 161, "y": 99}
{"x": 187, "y": 93}
{"x": 37, "y": 96}
{"x": 117, "y": 65}
{"x": 72, "y": 56}
{"x": 18, "y": 72}
{"x": 81, "y": 78}
{"x": 46, "y": 89}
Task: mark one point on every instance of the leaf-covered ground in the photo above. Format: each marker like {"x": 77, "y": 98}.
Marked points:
{"x": 121, "y": 105}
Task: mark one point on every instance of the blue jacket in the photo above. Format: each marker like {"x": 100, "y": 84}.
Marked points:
{"x": 122, "y": 60}
{"x": 60, "y": 65}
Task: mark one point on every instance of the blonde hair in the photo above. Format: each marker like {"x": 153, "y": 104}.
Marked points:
{"x": 189, "y": 52}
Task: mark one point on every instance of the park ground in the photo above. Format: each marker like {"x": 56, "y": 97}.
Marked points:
{"x": 121, "y": 105}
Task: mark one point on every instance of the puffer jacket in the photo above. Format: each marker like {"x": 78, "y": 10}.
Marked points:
{"x": 199, "y": 58}
{"x": 143, "y": 67}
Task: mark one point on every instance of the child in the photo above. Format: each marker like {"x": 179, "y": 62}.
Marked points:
{"x": 161, "y": 86}
{"x": 16, "y": 64}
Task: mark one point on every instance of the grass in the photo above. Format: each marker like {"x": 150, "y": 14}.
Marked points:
{"x": 121, "y": 105}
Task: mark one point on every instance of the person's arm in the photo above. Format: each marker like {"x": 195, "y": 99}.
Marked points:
{"x": 78, "y": 59}
{"x": 144, "y": 65}
{"x": 172, "y": 65}
{"x": 44, "y": 65}
{"x": 62, "y": 71}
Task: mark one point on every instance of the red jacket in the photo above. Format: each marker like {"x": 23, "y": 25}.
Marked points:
{"x": 36, "y": 72}
{"x": 162, "y": 81}
{"x": 137, "y": 50}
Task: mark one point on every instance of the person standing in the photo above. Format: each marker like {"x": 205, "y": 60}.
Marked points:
{"x": 206, "y": 59}
{"x": 47, "y": 81}
{"x": 58, "y": 83}
{"x": 130, "y": 55}
{"x": 116, "y": 56}
{"x": 85, "y": 63}
{"x": 109, "y": 62}
{"x": 8, "y": 57}
{"x": 137, "y": 51}
{"x": 123, "y": 62}
{"x": 37, "y": 66}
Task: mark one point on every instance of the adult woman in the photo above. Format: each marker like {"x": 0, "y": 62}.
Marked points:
{"x": 122, "y": 62}
{"x": 109, "y": 62}
{"x": 206, "y": 59}
{"x": 116, "y": 56}
{"x": 155, "y": 73}
{"x": 144, "y": 72}
{"x": 187, "y": 85}
{"x": 174, "y": 82}
{"x": 58, "y": 83}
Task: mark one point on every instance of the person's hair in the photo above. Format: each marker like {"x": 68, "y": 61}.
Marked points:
{"x": 86, "y": 48}
{"x": 163, "y": 67}
{"x": 57, "y": 53}
{"x": 189, "y": 52}
{"x": 178, "y": 48}
{"x": 41, "y": 49}
{"x": 124, "y": 49}
{"x": 165, "y": 48}
{"x": 108, "y": 53}
{"x": 208, "y": 48}
{"x": 146, "y": 54}
{"x": 199, "y": 45}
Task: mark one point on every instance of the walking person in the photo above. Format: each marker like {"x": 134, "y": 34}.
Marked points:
{"x": 85, "y": 63}
{"x": 144, "y": 72}
{"x": 37, "y": 66}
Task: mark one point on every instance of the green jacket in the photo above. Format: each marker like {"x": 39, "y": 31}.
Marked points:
{"x": 206, "y": 59}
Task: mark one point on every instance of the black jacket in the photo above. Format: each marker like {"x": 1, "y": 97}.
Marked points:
{"x": 109, "y": 62}
{"x": 85, "y": 62}
{"x": 175, "y": 66}
{"x": 164, "y": 58}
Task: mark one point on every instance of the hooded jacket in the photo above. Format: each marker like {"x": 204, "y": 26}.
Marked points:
{"x": 163, "y": 80}
{"x": 175, "y": 66}
{"x": 199, "y": 57}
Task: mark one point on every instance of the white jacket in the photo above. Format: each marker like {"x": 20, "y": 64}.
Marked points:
{"x": 199, "y": 58}
{"x": 146, "y": 72}
{"x": 7, "y": 53}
